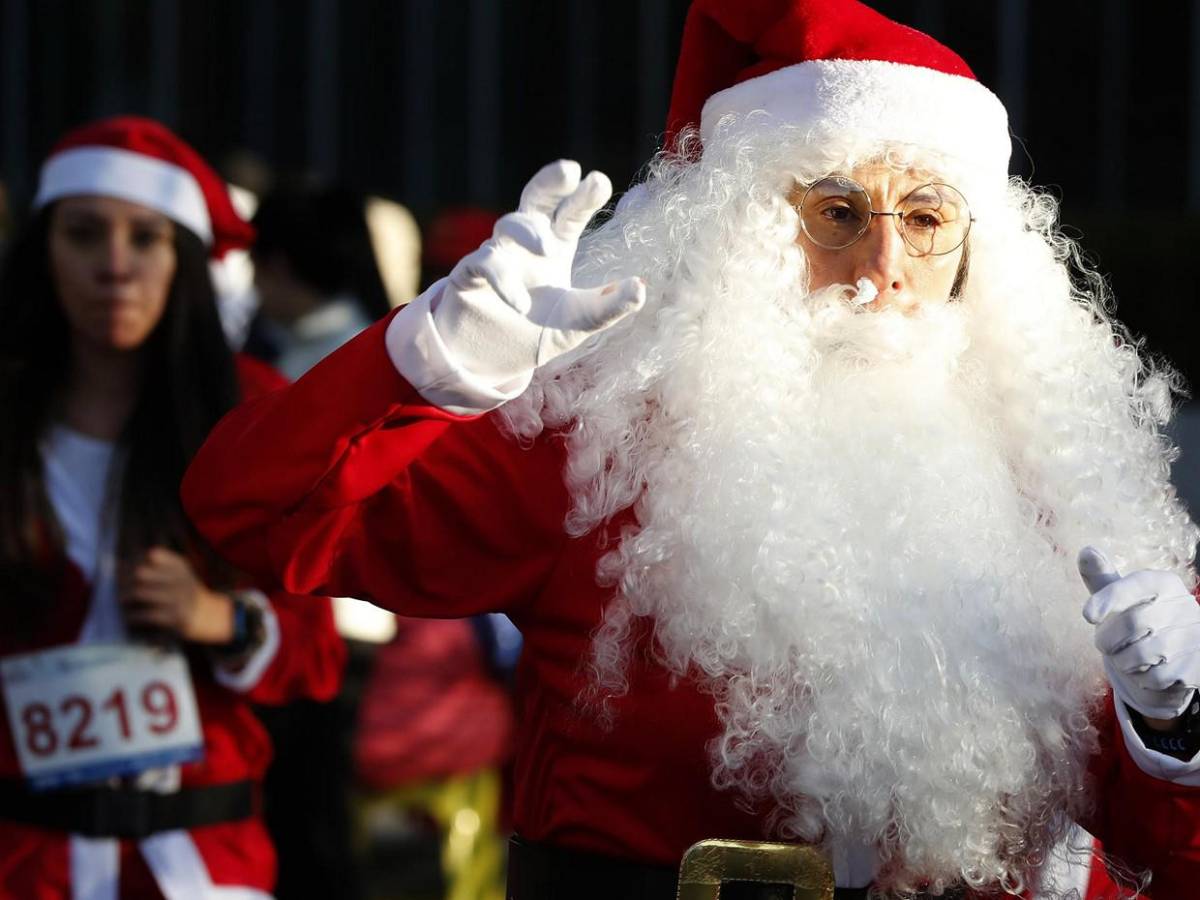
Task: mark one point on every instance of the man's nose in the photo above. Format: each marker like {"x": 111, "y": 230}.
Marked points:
{"x": 884, "y": 255}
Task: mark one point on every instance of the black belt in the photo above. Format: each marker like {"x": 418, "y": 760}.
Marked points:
{"x": 125, "y": 812}
{"x": 539, "y": 871}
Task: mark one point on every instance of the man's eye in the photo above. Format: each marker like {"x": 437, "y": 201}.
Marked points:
{"x": 923, "y": 220}
{"x": 839, "y": 213}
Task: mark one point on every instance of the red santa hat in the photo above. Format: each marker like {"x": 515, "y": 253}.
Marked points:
{"x": 835, "y": 66}
{"x": 143, "y": 161}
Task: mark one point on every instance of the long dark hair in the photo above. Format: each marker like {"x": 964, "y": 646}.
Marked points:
{"x": 188, "y": 382}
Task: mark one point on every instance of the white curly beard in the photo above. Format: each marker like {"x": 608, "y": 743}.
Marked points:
{"x": 897, "y": 653}
{"x": 859, "y": 529}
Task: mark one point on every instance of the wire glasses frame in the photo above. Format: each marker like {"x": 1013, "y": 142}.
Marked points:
{"x": 933, "y": 218}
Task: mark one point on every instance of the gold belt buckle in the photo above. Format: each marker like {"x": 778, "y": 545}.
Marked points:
{"x": 708, "y": 864}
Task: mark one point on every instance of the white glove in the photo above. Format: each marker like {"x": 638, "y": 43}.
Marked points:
{"x": 509, "y": 307}
{"x": 1148, "y": 628}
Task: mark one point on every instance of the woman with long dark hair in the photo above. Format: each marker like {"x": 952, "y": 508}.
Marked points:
{"x": 129, "y": 653}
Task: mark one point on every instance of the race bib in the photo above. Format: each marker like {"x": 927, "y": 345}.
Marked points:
{"x": 85, "y": 713}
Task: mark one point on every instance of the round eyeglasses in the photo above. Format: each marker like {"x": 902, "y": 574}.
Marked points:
{"x": 933, "y": 219}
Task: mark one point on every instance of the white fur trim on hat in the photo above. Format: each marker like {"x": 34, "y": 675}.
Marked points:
{"x": 113, "y": 172}
{"x": 893, "y": 102}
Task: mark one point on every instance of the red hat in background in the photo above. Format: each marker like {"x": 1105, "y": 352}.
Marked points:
{"x": 834, "y": 65}
{"x": 142, "y": 161}
{"x": 454, "y": 233}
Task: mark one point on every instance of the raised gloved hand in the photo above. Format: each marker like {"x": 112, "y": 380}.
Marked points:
{"x": 1148, "y": 628}
{"x": 509, "y": 307}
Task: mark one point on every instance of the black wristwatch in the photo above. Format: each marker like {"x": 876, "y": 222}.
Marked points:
{"x": 249, "y": 632}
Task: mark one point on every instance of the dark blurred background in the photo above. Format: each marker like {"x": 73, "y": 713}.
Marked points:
{"x": 441, "y": 103}
{"x": 438, "y": 103}
{"x": 451, "y": 104}
{"x": 444, "y": 103}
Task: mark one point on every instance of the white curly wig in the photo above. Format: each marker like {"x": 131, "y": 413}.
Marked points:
{"x": 858, "y": 530}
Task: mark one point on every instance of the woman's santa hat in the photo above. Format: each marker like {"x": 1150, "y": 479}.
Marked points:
{"x": 835, "y": 66}
{"x": 144, "y": 162}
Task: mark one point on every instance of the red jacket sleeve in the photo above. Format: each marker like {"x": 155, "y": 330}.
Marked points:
{"x": 347, "y": 483}
{"x": 304, "y": 656}
{"x": 256, "y": 377}
{"x": 1145, "y": 823}
{"x": 308, "y": 655}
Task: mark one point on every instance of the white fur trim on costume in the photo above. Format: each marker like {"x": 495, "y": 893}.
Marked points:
{"x": 113, "y": 172}
{"x": 248, "y": 673}
{"x": 94, "y": 868}
{"x": 1168, "y": 768}
{"x": 180, "y": 872}
{"x": 1068, "y": 866}
{"x": 893, "y": 102}
{"x": 425, "y": 362}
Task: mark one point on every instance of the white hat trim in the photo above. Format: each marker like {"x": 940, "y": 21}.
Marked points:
{"x": 893, "y": 102}
{"x": 112, "y": 172}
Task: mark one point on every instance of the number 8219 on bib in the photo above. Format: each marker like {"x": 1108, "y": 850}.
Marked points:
{"x": 84, "y": 713}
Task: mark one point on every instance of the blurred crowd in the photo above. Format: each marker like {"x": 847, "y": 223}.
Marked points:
{"x": 391, "y": 737}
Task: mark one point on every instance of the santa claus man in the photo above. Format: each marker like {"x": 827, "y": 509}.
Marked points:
{"x": 783, "y": 471}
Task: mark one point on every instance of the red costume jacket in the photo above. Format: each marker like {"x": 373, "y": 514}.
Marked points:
{"x": 308, "y": 662}
{"x": 349, "y": 483}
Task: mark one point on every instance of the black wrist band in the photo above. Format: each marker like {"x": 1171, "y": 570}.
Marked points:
{"x": 241, "y": 634}
{"x": 247, "y": 625}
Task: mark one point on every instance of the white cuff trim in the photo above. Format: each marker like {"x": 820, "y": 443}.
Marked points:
{"x": 249, "y": 672}
{"x": 422, "y": 358}
{"x": 1159, "y": 765}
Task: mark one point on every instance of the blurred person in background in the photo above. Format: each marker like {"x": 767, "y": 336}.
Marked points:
{"x": 434, "y": 731}
{"x": 434, "y": 725}
{"x": 318, "y": 281}
{"x": 315, "y": 272}
{"x": 318, "y": 284}
{"x": 130, "y": 760}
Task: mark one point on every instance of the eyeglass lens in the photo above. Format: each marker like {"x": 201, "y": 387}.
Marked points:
{"x": 933, "y": 219}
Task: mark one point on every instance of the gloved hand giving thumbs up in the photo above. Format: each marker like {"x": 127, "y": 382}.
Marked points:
{"x": 510, "y": 306}
{"x": 1148, "y": 628}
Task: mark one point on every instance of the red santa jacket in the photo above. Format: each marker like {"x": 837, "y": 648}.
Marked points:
{"x": 307, "y": 662}
{"x": 351, "y": 484}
